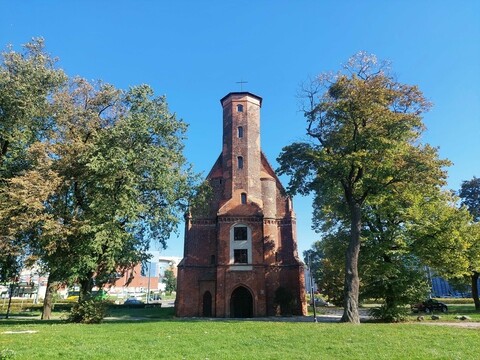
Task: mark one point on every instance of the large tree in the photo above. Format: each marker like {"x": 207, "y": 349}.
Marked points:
{"x": 470, "y": 195}
{"x": 111, "y": 179}
{"x": 28, "y": 79}
{"x": 364, "y": 128}
{"x": 391, "y": 272}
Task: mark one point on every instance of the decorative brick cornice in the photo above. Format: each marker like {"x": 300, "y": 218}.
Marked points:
{"x": 279, "y": 222}
{"x": 235, "y": 219}
{"x": 243, "y": 219}
{"x": 205, "y": 222}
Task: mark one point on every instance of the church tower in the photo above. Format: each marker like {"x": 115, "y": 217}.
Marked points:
{"x": 241, "y": 251}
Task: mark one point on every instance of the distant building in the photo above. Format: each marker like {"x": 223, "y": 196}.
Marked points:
{"x": 242, "y": 249}
{"x": 144, "y": 277}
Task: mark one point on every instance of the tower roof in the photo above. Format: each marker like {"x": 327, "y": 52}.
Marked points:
{"x": 241, "y": 93}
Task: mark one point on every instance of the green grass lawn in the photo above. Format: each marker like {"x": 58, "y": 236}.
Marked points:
{"x": 160, "y": 336}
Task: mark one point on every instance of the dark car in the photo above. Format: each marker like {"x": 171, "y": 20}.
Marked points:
{"x": 133, "y": 302}
{"x": 429, "y": 306}
{"x": 321, "y": 302}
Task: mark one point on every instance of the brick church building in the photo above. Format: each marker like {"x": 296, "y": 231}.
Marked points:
{"x": 240, "y": 251}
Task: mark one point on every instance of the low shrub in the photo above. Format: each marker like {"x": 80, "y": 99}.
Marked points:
{"x": 389, "y": 314}
{"x": 90, "y": 311}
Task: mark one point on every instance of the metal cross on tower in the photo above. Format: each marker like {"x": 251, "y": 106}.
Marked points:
{"x": 241, "y": 82}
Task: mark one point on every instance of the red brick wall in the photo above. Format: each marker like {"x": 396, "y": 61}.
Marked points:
{"x": 267, "y": 213}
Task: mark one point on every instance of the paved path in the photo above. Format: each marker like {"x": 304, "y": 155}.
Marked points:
{"x": 469, "y": 325}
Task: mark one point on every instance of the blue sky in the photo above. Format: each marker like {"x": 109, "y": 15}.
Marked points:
{"x": 194, "y": 52}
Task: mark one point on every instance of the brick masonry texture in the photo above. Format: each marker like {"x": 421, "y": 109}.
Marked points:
{"x": 246, "y": 193}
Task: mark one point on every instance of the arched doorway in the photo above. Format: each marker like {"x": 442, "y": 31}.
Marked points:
{"x": 207, "y": 304}
{"x": 241, "y": 303}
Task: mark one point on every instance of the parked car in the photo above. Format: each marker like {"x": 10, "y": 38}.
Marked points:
{"x": 154, "y": 299}
{"x": 429, "y": 305}
{"x": 133, "y": 301}
{"x": 321, "y": 302}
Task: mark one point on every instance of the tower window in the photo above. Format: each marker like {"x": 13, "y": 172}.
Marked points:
{"x": 240, "y": 256}
{"x": 240, "y": 131}
{"x": 240, "y": 233}
{"x": 240, "y": 246}
{"x": 243, "y": 197}
{"x": 240, "y": 108}
{"x": 240, "y": 162}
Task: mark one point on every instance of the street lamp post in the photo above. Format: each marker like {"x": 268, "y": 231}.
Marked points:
{"x": 311, "y": 289}
{"x": 148, "y": 283}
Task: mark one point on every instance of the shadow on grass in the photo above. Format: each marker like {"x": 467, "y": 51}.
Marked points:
{"x": 114, "y": 315}
{"x": 16, "y": 321}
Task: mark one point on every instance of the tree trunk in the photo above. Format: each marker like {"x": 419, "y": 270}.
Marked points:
{"x": 48, "y": 301}
{"x": 86, "y": 286}
{"x": 352, "y": 282}
{"x": 10, "y": 295}
{"x": 476, "y": 300}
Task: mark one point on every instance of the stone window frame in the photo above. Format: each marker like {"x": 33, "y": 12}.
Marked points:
{"x": 240, "y": 162}
{"x": 241, "y": 245}
{"x": 239, "y": 108}
{"x": 240, "y": 132}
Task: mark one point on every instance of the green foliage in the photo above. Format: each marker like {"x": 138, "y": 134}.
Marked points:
{"x": 10, "y": 266}
{"x": 389, "y": 313}
{"x": 89, "y": 311}
{"x": 327, "y": 264}
{"x": 170, "y": 281}
{"x": 27, "y": 83}
{"x": 27, "y": 80}
{"x": 199, "y": 203}
{"x": 443, "y": 234}
{"x": 364, "y": 128}
{"x": 470, "y": 195}
{"x": 107, "y": 177}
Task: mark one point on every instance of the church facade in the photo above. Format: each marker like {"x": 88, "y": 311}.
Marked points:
{"x": 240, "y": 252}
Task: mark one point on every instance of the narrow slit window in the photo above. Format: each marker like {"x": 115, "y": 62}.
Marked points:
{"x": 240, "y": 131}
{"x": 240, "y": 108}
{"x": 244, "y": 198}
{"x": 240, "y": 162}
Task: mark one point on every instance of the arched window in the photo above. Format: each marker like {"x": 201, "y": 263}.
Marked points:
{"x": 240, "y": 162}
{"x": 240, "y": 108}
{"x": 243, "y": 198}
{"x": 240, "y": 131}
{"x": 240, "y": 247}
